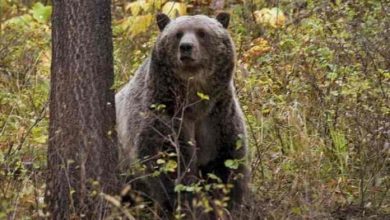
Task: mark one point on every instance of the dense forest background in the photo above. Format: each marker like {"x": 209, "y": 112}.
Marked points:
{"x": 312, "y": 76}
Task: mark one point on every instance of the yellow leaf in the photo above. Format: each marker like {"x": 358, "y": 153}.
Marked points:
{"x": 202, "y": 96}
{"x": 140, "y": 24}
{"x": 146, "y": 5}
{"x": 260, "y": 47}
{"x": 134, "y": 7}
{"x": 41, "y": 139}
{"x": 278, "y": 17}
{"x": 158, "y": 4}
{"x": 273, "y": 17}
{"x": 263, "y": 16}
{"x": 174, "y": 9}
{"x": 143, "y": 5}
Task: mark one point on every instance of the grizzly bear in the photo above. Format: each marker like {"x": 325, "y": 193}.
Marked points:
{"x": 181, "y": 104}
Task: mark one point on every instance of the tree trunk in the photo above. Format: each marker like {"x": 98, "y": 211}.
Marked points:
{"x": 82, "y": 153}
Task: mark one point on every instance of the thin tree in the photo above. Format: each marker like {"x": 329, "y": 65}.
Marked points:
{"x": 82, "y": 152}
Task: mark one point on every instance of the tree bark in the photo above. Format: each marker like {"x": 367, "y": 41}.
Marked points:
{"x": 82, "y": 152}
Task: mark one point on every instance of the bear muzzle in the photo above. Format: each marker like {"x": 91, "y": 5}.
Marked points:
{"x": 186, "y": 53}
{"x": 188, "y": 50}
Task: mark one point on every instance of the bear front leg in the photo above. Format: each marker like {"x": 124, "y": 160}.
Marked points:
{"x": 187, "y": 167}
{"x": 154, "y": 147}
{"x": 168, "y": 150}
{"x": 230, "y": 164}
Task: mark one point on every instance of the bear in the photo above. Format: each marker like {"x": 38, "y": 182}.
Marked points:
{"x": 182, "y": 102}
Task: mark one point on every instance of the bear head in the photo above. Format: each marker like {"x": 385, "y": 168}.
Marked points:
{"x": 191, "y": 45}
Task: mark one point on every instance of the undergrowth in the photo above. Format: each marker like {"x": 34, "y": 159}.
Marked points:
{"x": 315, "y": 92}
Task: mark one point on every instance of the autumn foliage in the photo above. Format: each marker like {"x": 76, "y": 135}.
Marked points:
{"x": 313, "y": 78}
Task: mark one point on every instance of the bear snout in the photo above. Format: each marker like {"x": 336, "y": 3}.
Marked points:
{"x": 186, "y": 48}
{"x": 186, "y": 52}
{"x": 187, "y": 56}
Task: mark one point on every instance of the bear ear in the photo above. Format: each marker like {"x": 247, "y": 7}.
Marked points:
{"x": 223, "y": 18}
{"x": 162, "y": 20}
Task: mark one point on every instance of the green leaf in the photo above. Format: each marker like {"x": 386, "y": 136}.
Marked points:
{"x": 160, "y": 161}
{"x": 180, "y": 188}
{"x": 214, "y": 177}
{"x": 190, "y": 188}
{"x": 171, "y": 166}
{"x": 239, "y": 142}
{"x": 41, "y": 13}
{"x": 232, "y": 164}
{"x": 158, "y": 107}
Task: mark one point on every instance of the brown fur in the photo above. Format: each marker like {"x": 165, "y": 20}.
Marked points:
{"x": 204, "y": 131}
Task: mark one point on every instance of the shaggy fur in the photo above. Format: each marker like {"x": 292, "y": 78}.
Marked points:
{"x": 204, "y": 131}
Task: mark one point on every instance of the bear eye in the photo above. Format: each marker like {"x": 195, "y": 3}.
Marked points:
{"x": 179, "y": 35}
{"x": 201, "y": 33}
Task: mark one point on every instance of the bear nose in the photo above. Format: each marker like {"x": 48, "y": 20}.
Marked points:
{"x": 186, "y": 47}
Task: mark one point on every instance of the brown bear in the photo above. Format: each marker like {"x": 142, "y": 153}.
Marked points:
{"x": 182, "y": 101}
